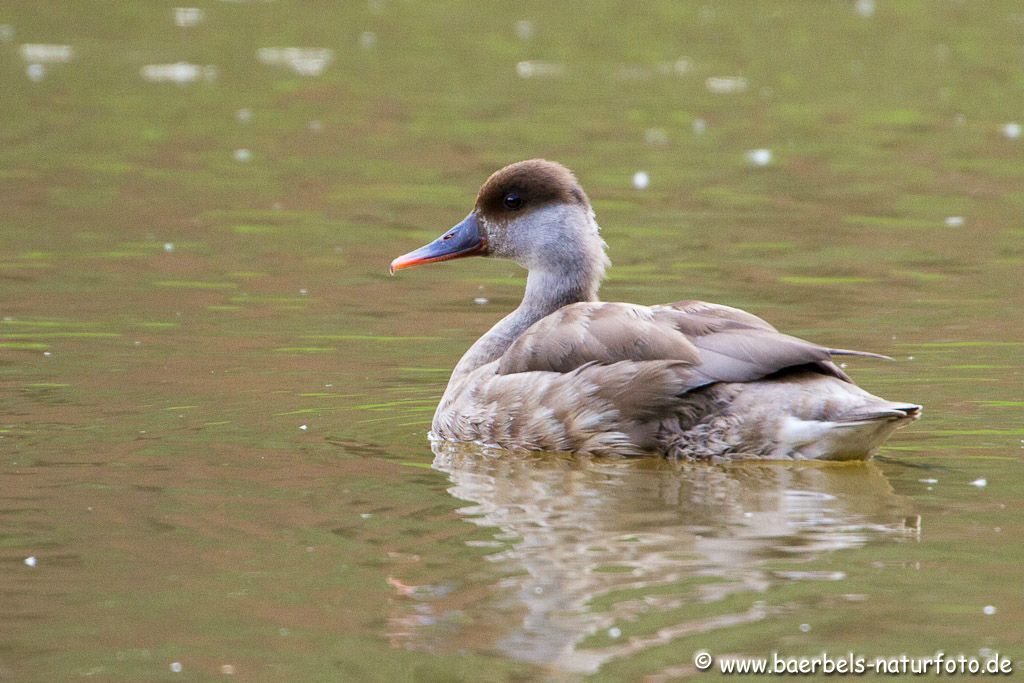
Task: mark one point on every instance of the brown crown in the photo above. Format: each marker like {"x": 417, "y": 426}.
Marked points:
{"x": 537, "y": 182}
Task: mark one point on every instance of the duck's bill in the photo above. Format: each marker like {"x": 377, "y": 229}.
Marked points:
{"x": 462, "y": 240}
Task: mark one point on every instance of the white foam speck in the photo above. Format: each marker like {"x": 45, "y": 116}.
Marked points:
{"x": 47, "y": 354}
{"x": 305, "y": 61}
{"x": 367, "y": 40}
{"x": 35, "y": 72}
{"x": 759, "y": 157}
{"x": 6, "y": 33}
{"x": 188, "y": 16}
{"x": 641, "y": 180}
{"x": 304, "y": 427}
{"x": 865, "y": 8}
{"x": 981, "y": 482}
{"x": 726, "y": 85}
{"x": 480, "y": 301}
{"x": 180, "y": 73}
{"x": 1011, "y": 130}
{"x": 804, "y": 628}
{"x": 929, "y": 480}
{"x": 989, "y": 610}
{"x": 614, "y": 632}
{"x": 700, "y": 126}
{"x": 954, "y": 221}
{"x": 176, "y": 667}
{"x": 228, "y": 669}
{"x": 538, "y": 69}
{"x": 168, "y": 246}
{"x": 812, "y": 575}
{"x": 243, "y": 115}
{"x": 243, "y": 155}
{"x": 30, "y": 560}
{"x": 46, "y": 53}
{"x": 524, "y": 29}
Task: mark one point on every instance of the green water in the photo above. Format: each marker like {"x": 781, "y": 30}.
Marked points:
{"x": 214, "y": 400}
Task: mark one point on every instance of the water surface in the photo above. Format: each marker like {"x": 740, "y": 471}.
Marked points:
{"x": 213, "y": 400}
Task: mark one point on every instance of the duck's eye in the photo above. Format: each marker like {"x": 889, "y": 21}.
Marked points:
{"x": 513, "y": 201}
{"x": 449, "y": 236}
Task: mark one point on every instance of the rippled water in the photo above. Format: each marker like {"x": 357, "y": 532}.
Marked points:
{"x": 213, "y": 400}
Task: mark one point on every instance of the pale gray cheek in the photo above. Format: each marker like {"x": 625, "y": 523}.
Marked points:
{"x": 497, "y": 246}
{"x": 498, "y": 243}
{"x": 497, "y": 240}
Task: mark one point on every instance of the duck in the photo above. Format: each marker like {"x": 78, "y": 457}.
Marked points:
{"x": 688, "y": 380}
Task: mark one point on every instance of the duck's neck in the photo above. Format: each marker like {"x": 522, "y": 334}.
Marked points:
{"x": 546, "y": 292}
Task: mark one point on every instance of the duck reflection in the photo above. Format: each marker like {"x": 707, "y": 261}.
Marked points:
{"x": 583, "y": 544}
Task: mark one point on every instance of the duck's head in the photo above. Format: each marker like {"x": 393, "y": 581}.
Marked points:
{"x": 532, "y": 212}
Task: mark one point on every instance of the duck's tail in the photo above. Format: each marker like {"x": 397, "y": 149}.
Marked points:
{"x": 884, "y": 410}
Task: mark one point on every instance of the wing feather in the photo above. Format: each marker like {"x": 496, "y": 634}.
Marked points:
{"x": 714, "y": 343}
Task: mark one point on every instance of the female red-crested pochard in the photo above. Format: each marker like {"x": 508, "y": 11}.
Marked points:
{"x": 567, "y": 372}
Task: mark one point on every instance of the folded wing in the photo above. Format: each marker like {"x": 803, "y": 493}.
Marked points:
{"x": 705, "y": 343}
